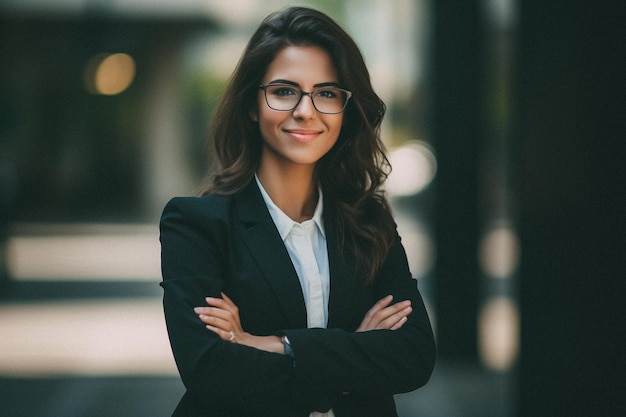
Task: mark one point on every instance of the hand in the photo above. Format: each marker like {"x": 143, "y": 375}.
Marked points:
{"x": 384, "y": 316}
{"x": 222, "y": 318}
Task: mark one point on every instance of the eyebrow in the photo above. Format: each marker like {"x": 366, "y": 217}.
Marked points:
{"x": 295, "y": 84}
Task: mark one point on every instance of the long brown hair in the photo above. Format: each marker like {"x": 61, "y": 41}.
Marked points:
{"x": 352, "y": 172}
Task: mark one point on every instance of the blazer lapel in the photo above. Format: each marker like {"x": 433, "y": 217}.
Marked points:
{"x": 342, "y": 279}
{"x": 267, "y": 248}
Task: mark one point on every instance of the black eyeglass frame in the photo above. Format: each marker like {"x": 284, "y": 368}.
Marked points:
{"x": 348, "y": 94}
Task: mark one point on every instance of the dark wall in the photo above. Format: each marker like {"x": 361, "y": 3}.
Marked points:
{"x": 568, "y": 161}
{"x": 570, "y": 158}
{"x": 457, "y": 70}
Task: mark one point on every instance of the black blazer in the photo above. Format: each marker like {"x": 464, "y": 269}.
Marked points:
{"x": 230, "y": 243}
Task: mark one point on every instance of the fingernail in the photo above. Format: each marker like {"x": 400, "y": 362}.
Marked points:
{"x": 197, "y": 309}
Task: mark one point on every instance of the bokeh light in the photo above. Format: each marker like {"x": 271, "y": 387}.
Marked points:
{"x": 109, "y": 74}
{"x": 414, "y": 168}
{"x": 499, "y": 252}
{"x": 498, "y": 325}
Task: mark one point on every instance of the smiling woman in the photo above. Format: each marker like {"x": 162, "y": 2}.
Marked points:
{"x": 287, "y": 290}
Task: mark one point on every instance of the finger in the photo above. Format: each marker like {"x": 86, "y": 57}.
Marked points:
{"x": 228, "y": 300}
{"x": 201, "y": 310}
{"x": 376, "y": 308}
{"x": 217, "y": 302}
{"x": 387, "y": 312}
{"x": 204, "y": 310}
{"x": 216, "y": 322}
{"x": 393, "y": 320}
{"x": 399, "y": 324}
{"x": 382, "y": 303}
{"x": 225, "y": 304}
{"x": 214, "y": 312}
{"x": 223, "y": 334}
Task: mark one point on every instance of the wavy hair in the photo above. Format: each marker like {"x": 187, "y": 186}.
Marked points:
{"x": 352, "y": 172}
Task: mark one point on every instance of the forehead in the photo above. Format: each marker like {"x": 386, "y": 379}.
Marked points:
{"x": 304, "y": 65}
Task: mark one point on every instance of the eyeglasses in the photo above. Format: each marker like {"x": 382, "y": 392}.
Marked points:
{"x": 286, "y": 97}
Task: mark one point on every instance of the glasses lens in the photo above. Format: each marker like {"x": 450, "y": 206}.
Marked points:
{"x": 282, "y": 97}
{"x": 330, "y": 99}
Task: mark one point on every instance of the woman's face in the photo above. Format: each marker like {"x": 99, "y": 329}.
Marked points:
{"x": 303, "y": 135}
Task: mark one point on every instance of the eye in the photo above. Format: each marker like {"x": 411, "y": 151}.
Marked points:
{"x": 328, "y": 93}
{"x": 282, "y": 91}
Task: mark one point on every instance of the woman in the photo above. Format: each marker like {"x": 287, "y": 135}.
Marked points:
{"x": 286, "y": 288}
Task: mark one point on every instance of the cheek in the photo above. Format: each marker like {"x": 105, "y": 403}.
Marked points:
{"x": 271, "y": 118}
{"x": 267, "y": 126}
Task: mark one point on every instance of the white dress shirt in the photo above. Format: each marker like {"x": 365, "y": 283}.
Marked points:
{"x": 306, "y": 245}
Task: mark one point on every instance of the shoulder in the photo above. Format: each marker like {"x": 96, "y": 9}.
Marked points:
{"x": 210, "y": 204}
{"x": 246, "y": 204}
{"x": 198, "y": 211}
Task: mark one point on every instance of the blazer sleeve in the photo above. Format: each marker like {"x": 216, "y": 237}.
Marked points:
{"x": 218, "y": 375}
{"x": 331, "y": 361}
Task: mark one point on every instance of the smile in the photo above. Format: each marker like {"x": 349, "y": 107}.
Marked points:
{"x": 302, "y": 135}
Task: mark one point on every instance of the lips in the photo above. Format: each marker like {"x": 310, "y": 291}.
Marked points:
{"x": 302, "y": 135}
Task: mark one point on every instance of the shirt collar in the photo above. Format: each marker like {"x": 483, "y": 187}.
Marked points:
{"x": 284, "y": 223}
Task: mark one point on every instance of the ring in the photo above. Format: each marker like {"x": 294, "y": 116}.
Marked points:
{"x": 232, "y": 336}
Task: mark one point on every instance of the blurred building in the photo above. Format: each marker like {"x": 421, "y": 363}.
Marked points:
{"x": 93, "y": 121}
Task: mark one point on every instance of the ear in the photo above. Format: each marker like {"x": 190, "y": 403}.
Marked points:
{"x": 254, "y": 114}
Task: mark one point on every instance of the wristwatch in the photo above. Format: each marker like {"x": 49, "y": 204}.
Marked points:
{"x": 288, "y": 350}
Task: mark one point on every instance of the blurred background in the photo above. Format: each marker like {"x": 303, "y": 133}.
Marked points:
{"x": 505, "y": 130}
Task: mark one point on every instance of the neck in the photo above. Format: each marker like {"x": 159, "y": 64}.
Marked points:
{"x": 294, "y": 192}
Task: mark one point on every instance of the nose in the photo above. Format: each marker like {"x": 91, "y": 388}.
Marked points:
{"x": 305, "y": 108}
